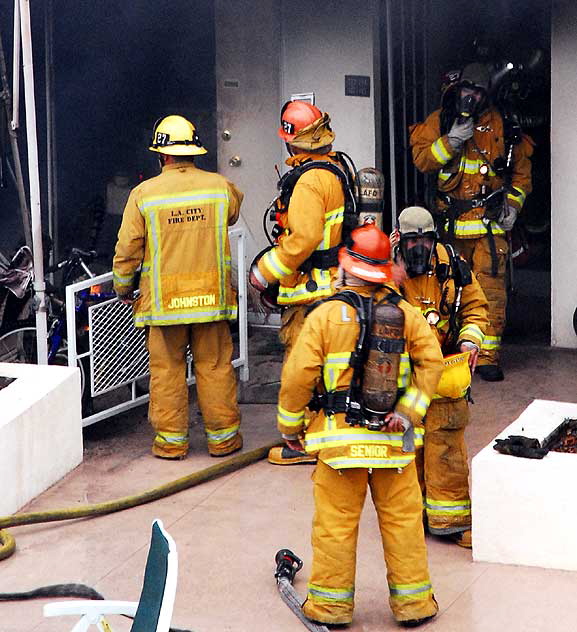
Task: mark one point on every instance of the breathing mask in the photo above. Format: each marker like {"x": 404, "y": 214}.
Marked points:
{"x": 417, "y": 254}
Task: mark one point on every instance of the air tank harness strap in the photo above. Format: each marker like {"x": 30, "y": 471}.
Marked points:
{"x": 322, "y": 259}
{"x": 332, "y": 402}
{"x": 455, "y": 209}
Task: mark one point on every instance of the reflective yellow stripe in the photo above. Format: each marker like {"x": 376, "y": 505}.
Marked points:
{"x": 448, "y": 507}
{"x": 416, "y": 400}
{"x": 345, "y": 462}
{"x": 404, "y": 378}
{"x": 519, "y": 197}
{"x": 465, "y": 228}
{"x": 322, "y": 593}
{"x": 288, "y": 419}
{"x": 334, "y": 365}
{"x": 123, "y": 280}
{"x": 300, "y": 294}
{"x": 410, "y": 592}
{"x": 228, "y": 312}
{"x": 214, "y": 437}
{"x": 315, "y": 441}
{"x": 471, "y": 331}
{"x": 171, "y": 438}
{"x": 473, "y": 166}
{"x": 491, "y": 342}
{"x": 332, "y": 218}
{"x": 440, "y": 152}
{"x": 274, "y": 265}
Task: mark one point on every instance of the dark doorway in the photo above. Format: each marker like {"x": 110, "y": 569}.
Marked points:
{"x": 432, "y": 38}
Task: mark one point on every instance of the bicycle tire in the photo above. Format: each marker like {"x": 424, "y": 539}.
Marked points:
{"x": 19, "y": 345}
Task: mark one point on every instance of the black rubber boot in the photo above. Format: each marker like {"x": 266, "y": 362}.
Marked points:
{"x": 490, "y": 373}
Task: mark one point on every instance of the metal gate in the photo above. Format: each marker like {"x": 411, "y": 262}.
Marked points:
{"x": 112, "y": 356}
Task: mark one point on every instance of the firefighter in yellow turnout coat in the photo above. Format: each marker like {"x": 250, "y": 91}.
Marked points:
{"x": 457, "y": 315}
{"x": 312, "y": 228}
{"x": 175, "y": 226}
{"x": 350, "y": 458}
{"x": 469, "y": 160}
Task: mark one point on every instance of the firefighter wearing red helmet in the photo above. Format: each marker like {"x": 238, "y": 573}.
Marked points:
{"x": 360, "y": 450}
{"x": 482, "y": 163}
{"x": 303, "y": 263}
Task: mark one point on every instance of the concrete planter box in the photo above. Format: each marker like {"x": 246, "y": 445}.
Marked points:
{"x": 40, "y": 430}
{"x": 525, "y": 510}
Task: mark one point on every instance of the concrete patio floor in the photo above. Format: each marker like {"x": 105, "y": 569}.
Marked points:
{"x": 228, "y": 530}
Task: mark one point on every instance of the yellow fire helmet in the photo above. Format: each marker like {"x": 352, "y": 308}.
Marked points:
{"x": 176, "y": 136}
{"x": 456, "y": 377}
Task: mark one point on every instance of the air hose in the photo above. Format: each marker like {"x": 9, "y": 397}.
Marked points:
{"x": 8, "y": 544}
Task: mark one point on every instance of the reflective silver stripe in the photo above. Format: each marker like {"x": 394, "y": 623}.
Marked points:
{"x": 440, "y": 507}
{"x": 227, "y": 313}
{"x": 221, "y": 234}
{"x": 409, "y": 591}
{"x": 342, "y": 463}
{"x": 327, "y": 593}
{"x": 155, "y": 258}
{"x": 212, "y": 438}
{"x": 371, "y": 435}
{"x": 176, "y": 440}
{"x": 440, "y": 152}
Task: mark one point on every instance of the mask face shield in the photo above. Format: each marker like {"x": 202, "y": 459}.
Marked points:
{"x": 472, "y": 101}
{"x": 417, "y": 253}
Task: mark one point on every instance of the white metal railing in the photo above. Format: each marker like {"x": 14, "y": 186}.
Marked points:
{"x": 116, "y": 350}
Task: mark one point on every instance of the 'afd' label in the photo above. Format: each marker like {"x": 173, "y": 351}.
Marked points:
{"x": 178, "y": 302}
{"x": 370, "y": 451}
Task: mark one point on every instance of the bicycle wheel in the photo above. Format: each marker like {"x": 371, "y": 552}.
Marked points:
{"x": 19, "y": 345}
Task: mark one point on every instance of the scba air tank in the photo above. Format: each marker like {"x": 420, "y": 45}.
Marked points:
{"x": 370, "y": 194}
{"x": 386, "y": 343}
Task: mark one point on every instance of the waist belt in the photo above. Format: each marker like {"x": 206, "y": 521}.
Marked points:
{"x": 323, "y": 259}
{"x": 462, "y": 206}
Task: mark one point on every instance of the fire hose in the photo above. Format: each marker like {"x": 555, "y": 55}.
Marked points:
{"x": 8, "y": 543}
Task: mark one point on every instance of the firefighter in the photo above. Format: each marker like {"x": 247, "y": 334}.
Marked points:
{"x": 440, "y": 284}
{"x": 304, "y": 261}
{"x": 483, "y": 168}
{"x": 175, "y": 231}
{"x": 352, "y": 457}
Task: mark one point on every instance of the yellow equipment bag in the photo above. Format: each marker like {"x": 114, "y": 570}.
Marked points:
{"x": 456, "y": 377}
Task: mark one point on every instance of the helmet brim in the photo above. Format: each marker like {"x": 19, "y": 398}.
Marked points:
{"x": 179, "y": 150}
{"x": 374, "y": 273}
{"x": 284, "y": 135}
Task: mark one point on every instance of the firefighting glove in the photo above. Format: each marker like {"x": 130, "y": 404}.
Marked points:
{"x": 515, "y": 445}
{"x": 460, "y": 133}
{"x": 507, "y": 217}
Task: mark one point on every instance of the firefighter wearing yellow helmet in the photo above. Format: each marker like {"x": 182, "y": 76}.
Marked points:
{"x": 440, "y": 284}
{"x": 356, "y": 447}
{"x": 302, "y": 264}
{"x": 175, "y": 231}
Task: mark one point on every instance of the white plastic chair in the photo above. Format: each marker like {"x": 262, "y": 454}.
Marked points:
{"x": 153, "y": 612}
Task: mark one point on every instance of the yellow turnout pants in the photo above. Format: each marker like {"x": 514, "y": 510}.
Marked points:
{"x": 478, "y": 254}
{"x": 211, "y": 348}
{"x": 339, "y": 497}
{"x": 443, "y": 467}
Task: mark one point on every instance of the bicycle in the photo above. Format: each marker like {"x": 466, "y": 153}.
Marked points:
{"x": 18, "y": 337}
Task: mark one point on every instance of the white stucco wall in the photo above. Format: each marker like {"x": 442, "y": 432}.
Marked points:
{"x": 563, "y": 171}
{"x": 320, "y": 47}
